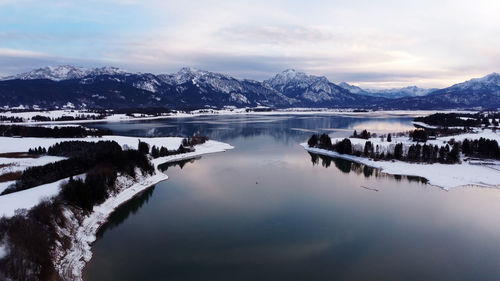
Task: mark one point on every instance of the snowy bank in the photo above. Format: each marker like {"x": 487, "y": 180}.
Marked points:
{"x": 445, "y": 176}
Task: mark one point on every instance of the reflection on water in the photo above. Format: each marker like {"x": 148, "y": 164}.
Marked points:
{"x": 262, "y": 211}
{"x": 287, "y": 129}
{"x": 181, "y": 163}
{"x": 124, "y": 211}
{"x": 347, "y": 167}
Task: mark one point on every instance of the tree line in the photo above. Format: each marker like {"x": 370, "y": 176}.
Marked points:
{"x": 42, "y": 118}
{"x": 419, "y": 153}
{"x": 56, "y": 132}
{"x": 461, "y": 119}
{"x": 82, "y": 157}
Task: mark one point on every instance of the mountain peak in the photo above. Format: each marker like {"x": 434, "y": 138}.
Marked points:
{"x": 56, "y": 73}
{"x": 292, "y": 76}
{"x": 107, "y": 70}
{"x": 490, "y": 80}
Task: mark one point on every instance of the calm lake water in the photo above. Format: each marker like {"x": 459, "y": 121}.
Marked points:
{"x": 268, "y": 210}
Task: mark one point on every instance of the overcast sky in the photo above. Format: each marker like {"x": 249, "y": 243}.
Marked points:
{"x": 387, "y": 43}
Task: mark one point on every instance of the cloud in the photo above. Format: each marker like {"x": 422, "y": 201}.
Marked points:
{"x": 375, "y": 43}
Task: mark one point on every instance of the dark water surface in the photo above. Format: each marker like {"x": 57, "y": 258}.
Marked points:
{"x": 268, "y": 210}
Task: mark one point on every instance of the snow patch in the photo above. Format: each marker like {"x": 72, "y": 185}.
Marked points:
{"x": 3, "y": 251}
{"x": 27, "y": 199}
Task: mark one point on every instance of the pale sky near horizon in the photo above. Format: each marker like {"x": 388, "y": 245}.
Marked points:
{"x": 384, "y": 43}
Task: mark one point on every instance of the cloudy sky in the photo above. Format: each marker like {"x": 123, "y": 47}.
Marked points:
{"x": 386, "y": 43}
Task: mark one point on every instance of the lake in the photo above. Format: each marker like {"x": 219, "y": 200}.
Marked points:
{"x": 269, "y": 210}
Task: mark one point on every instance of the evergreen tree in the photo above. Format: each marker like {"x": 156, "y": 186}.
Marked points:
{"x": 389, "y": 138}
{"x": 143, "y": 147}
{"x": 325, "y": 141}
{"x": 368, "y": 148}
{"x": 155, "y": 152}
{"x": 398, "y": 151}
{"x": 344, "y": 147}
{"x": 313, "y": 140}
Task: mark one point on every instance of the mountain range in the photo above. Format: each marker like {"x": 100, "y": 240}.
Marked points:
{"x": 189, "y": 88}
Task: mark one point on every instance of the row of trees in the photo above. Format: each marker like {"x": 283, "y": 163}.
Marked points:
{"x": 427, "y": 153}
{"x": 363, "y": 135}
{"x": 325, "y": 142}
{"x": 485, "y": 148}
{"x": 11, "y": 119}
{"x": 41, "y": 118}
{"x": 83, "y": 156}
{"x": 163, "y": 151}
{"x": 37, "y": 150}
{"x": 56, "y": 132}
{"x": 461, "y": 119}
{"x": 185, "y": 147}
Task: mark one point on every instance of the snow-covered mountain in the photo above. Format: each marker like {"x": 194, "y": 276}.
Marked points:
{"x": 221, "y": 88}
{"x": 411, "y": 91}
{"x": 55, "y": 73}
{"x": 490, "y": 82}
{"x": 64, "y": 72}
{"x": 110, "y": 87}
{"x": 313, "y": 90}
{"x": 475, "y": 93}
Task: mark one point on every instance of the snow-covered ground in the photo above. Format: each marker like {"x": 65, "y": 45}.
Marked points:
{"x": 9, "y": 144}
{"x": 443, "y": 175}
{"x": 4, "y": 185}
{"x": 204, "y": 112}
{"x": 3, "y": 251}
{"x": 20, "y": 164}
{"x": 27, "y": 115}
{"x": 27, "y": 199}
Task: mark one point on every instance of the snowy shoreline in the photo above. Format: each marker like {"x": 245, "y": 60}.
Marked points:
{"x": 445, "y": 176}
{"x": 71, "y": 262}
{"x": 207, "y": 112}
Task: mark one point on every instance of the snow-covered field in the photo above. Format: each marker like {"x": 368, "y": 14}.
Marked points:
{"x": 443, "y": 175}
{"x": 8, "y": 144}
{"x": 204, "y": 112}
{"x": 27, "y": 199}
{"x": 3, "y": 251}
{"x": 20, "y": 164}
